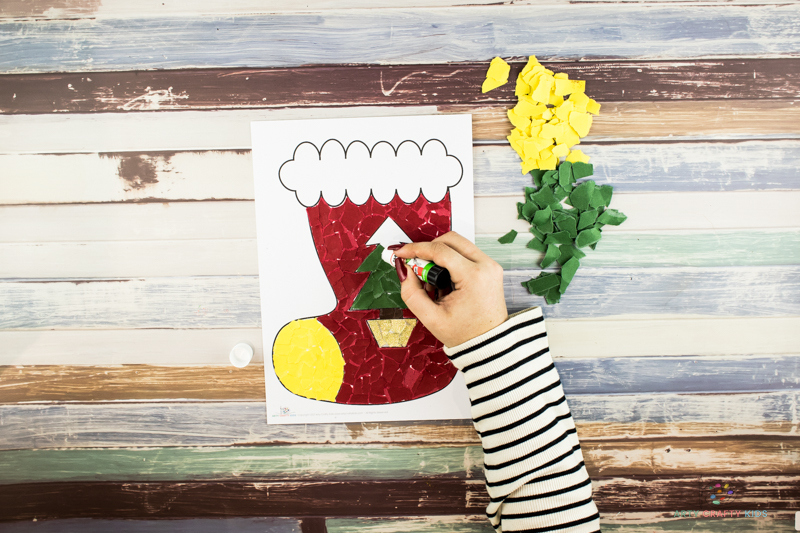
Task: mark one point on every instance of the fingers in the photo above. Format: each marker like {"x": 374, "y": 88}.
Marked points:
{"x": 441, "y": 254}
{"x": 463, "y": 246}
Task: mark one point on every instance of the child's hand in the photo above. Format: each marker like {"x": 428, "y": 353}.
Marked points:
{"x": 477, "y": 303}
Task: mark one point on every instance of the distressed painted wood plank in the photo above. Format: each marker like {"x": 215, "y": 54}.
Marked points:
{"x": 675, "y": 335}
{"x": 116, "y": 259}
{"x": 130, "y": 382}
{"x": 233, "y": 302}
{"x": 639, "y": 249}
{"x": 238, "y": 423}
{"x": 422, "y": 524}
{"x": 73, "y": 9}
{"x": 187, "y": 525}
{"x": 257, "y": 463}
{"x": 168, "y": 221}
{"x": 399, "y": 36}
{"x": 431, "y": 496}
{"x": 647, "y": 335}
{"x": 358, "y": 85}
{"x": 734, "y": 291}
{"x": 182, "y": 175}
{"x": 129, "y": 346}
{"x": 225, "y": 257}
{"x": 707, "y": 211}
{"x": 656, "y": 456}
{"x": 659, "y": 167}
{"x": 578, "y": 376}
{"x": 230, "y": 130}
{"x": 609, "y": 522}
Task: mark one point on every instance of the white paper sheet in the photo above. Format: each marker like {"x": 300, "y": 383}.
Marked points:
{"x": 296, "y": 163}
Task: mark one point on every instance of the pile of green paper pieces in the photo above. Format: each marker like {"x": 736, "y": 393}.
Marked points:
{"x": 561, "y": 232}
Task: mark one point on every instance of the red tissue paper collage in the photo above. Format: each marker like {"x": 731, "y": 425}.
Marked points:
{"x": 373, "y": 374}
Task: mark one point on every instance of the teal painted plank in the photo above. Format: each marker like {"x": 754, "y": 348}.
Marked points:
{"x": 240, "y": 463}
{"x": 617, "y": 249}
{"x": 658, "y": 167}
{"x": 42, "y": 426}
{"x": 208, "y": 525}
{"x": 233, "y": 302}
{"x": 400, "y": 36}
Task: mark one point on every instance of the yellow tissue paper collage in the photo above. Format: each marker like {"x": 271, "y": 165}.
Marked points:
{"x": 546, "y": 124}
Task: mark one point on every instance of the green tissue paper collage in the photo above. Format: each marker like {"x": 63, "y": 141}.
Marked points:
{"x": 558, "y": 231}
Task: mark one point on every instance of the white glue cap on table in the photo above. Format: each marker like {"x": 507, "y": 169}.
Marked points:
{"x": 241, "y": 355}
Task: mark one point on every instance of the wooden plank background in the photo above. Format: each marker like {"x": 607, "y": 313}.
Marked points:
{"x": 128, "y": 265}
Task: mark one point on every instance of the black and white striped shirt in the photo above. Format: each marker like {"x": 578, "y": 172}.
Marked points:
{"x": 535, "y": 474}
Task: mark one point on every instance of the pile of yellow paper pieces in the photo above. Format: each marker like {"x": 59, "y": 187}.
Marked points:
{"x": 546, "y": 125}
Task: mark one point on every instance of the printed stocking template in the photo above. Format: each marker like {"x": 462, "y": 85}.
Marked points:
{"x": 339, "y": 343}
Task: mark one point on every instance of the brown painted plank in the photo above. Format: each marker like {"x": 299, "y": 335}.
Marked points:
{"x": 130, "y": 382}
{"x": 670, "y": 119}
{"x": 431, "y": 496}
{"x": 443, "y": 84}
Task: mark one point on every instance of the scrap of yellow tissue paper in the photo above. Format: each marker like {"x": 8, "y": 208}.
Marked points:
{"x": 546, "y": 124}
{"x": 496, "y": 76}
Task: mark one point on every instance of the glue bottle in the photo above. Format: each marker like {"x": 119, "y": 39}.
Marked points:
{"x": 425, "y": 270}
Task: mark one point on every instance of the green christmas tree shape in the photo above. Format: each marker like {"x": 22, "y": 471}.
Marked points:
{"x": 382, "y": 289}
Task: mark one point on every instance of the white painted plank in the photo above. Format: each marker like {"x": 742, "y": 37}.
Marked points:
{"x": 400, "y": 36}
{"x": 185, "y": 130}
{"x": 644, "y": 335}
{"x": 231, "y": 423}
{"x": 122, "y": 259}
{"x": 225, "y": 302}
{"x": 707, "y": 211}
{"x": 162, "y": 347}
{"x": 104, "y": 177}
{"x": 54, "y": 9}
{"x": 628, "y": 336}
{"x": 227, "y": 174}
{"x": 226, "y": 257}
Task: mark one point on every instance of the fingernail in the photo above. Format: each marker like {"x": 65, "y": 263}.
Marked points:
{"x": 401, "y": 269}
{"x": 396, "y": 247}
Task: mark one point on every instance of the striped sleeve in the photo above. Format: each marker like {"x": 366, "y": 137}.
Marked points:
{"x": 535, "y": 475}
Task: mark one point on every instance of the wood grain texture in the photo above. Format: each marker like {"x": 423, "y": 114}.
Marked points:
{"x": 645, "y": 335}
{"x": 733, "y": 291}
{"x": 708, "y": 211}
{"x": 233, "y": 302}
{"x": 640, "y": 249}
{"x": 225, "y": 257}
{"x": 257, "y": 463}
{"x": 656, "y": 456}
{"x": 228, "y": 174}
{"x": 431, "y": 497}
{"x": 188, "y": 525}
{"x": 238, "y": 423}
{"x": 212, "y": 499}
{"x": 230, "y": 130}
{"x": 399, "y": 36}
{"x": 169, "y": 221}
{"x": 130, "y": 347}
{"x": 72, "y": 9}
{"x": 666, "y": 120}
{"x": 359, "y": 85}
{"x": 130, "y": 382}
{"x": 578, "y": 376}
